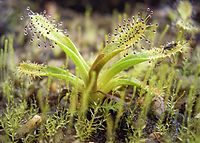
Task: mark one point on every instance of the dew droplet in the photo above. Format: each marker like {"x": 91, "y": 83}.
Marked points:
{"x": 31, "y": 40}
{"x": 22, "y": 17}
{"x": 25, "y": 33}
{"x": 29, "y": 14}
{"x": 44, "y": 12}
{"x": 49, "y": 16}
{"x": 60, "y": 24}
{"x": 51, "y": 46}
{"x": 29, "y": 27}
{"x": 65, "y": 31}
{"x": 28, "y": 8}
{"x": 53, "y": 21}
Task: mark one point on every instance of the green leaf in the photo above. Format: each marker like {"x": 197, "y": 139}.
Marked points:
{"x": 112, "y": 84}
{"x": 119, "y": 66}
{"x": 132, "y": 60}
{"x": 48, "y": 30}
{"x": 185, "y": 9}
{"x": 117, "y": 82}
{"x": 33, "y": 70}
{"x": 130, "y": 33}
{"x": 102, "y": 59}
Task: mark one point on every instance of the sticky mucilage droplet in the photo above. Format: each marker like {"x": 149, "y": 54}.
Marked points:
{"x": 28, "y": 8}
{"x": 65, "y": 31}
{"x": 31, "y": 39}
{"x": 44, "y": 12}
{"x": 22, "y": 18}
{"x": 25, "y": 33}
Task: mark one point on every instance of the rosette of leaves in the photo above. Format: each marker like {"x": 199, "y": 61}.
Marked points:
{"x": 93, "y": 78}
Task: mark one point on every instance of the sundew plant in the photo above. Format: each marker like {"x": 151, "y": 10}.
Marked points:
{"x": 93, "y": 80}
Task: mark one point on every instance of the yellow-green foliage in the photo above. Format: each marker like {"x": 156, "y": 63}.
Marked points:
{"x": 53, "y": 123}
{"x": 7, "y": 63}
{"x": 12, "y": 119}
{"x": 185, "y": 22}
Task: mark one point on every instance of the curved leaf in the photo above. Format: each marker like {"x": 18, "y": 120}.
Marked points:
{"x": 44, "y": 27}
{"x": 33, "y": 70}
{"x": 132, "y": 60}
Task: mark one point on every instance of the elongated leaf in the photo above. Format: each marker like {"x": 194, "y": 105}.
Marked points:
{"x": 132, "y": 60}
{"x": 120, "y": 82}
{"x": 44, "y": 27}
{"x": 117, "y": 82}
{"x": 102, "y": 59}
{"x": 130, "y": 33}
{"x": 34, "y": 70}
